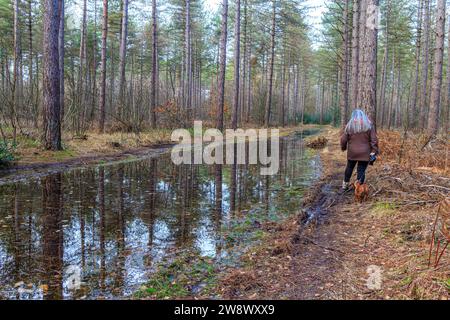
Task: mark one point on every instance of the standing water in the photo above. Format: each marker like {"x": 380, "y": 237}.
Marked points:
{"x": 115, "y": 225}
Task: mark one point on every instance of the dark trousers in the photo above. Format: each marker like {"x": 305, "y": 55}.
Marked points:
{"x": 362, "y": 167}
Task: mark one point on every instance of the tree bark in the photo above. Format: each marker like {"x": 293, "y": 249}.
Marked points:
{"x": 222, "y": 66}
{"x": 249, "y": 79}
{"x": 122, "y": 58}
{"x": 384, "y": 72}
{"x": 82, "y": 71}
{"x": 94, "y": 66}
{"x": 154, "y": 65}
{"x": 435, "y": 101}
{"x": 33, "y": 106}
{"x": 61, "y": 59}
{"x": 271, "y": 67}
{"x": 447, "y": 94}
{"x": 102, "y": 101}
{"x": 188, "y": 62}
{"x": 51, "y": 88}
{"x": 283, "y": 91}
{"x": 344, "y": 98}
{"x": 413, "y": 107}
{"x": 16, "y": 70}
{"x": 355, "y": 55}
{"x": 237, "y": 60}
{"x": 369, "y": 96}
{"x": 425, "y": 66}
{"x": 363, "y": 53}
{"x": 382, "y": 100}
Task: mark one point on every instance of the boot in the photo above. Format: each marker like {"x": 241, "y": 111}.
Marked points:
{"x": 345, "y": 186}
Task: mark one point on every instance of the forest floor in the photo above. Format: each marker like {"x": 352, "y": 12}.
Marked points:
{"x": 336, "y": 245}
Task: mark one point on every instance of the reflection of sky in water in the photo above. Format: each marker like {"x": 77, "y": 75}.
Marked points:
{"x": 205, "y": 239}
{"x": 163, "y": 210}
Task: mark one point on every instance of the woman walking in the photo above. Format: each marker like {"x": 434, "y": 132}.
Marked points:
{"x": 361, "y": 143}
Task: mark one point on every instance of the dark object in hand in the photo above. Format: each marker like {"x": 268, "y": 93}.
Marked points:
{"x": 372, "y": 160}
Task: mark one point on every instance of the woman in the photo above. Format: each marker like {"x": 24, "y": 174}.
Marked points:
{"x": 361, "y": 143}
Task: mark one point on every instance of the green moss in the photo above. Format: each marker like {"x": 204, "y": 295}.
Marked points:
{"x": 447, "y": 284}
{"x": 258, "y": 235}
{"x": 384, "y": 207}
{"x": 406, "y": 281}
{"x": 162, "y": 288}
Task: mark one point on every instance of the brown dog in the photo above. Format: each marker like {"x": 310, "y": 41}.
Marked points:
{"x": 361, "y": 192}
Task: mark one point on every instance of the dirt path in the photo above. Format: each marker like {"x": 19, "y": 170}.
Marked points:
{"x": 336, "y": 245}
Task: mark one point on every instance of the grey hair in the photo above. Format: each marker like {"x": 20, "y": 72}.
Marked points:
{"x": 359, "y": 122}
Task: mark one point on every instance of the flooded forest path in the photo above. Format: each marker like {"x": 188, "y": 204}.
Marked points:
{"x": 142, "y": 227}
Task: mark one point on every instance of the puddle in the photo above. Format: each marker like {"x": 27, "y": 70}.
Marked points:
{"x": 115, "y": 224}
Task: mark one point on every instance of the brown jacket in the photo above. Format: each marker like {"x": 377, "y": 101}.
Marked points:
{"x": 359, "y": 146}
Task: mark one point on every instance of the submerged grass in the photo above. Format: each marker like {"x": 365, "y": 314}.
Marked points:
{"x": 190, "y": 275}
{"x": 187, "y": 275}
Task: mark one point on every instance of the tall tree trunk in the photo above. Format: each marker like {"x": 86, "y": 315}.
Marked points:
{"x": 249, "y": 81}
{"x": 398, "y": 115}
{"x": 61, "y": 59}
{"x": 237, "y": 60}
{"x": 388, "y": 117}
{"x": 322, "y": 101}
{"x": 244, "y": 60}
{"x": 413, "y": 107}
{"x": 16, "y": 70}
{"x": 102, "y": 101}
{"x": 369, "y": 96}
{"x": 154, "y": 66}
{"x": 288, "y": 94}
{"x": 51, "y": 102}
{"x": 82, "y": 72}
{"x": 188, "y": 60}
{"x": 222, "y": 66}
{"x": 94, "y": 65}
{"x": 355, "y": 55}
{"x": 283, "y": 91}
{"x": 425, "y": 66}
{"x": 296, "y": 92}
{"x": 382, "y": 100}
{"x": 33, "y": 106}
{"x": 447, "y": 94}
{"x": 112, "y": 81}
{"x": 271, "y": 67}
{"x": 363, "y": 53}
{"x": 344, "y": 75}
{"x": 122, "y": 58}
{"x": 435, "y": 101}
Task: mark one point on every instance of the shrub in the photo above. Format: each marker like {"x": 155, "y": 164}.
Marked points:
{"x": 6, "y": 153}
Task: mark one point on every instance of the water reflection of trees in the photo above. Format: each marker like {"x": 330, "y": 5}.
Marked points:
{"x": 52, "y": 235}
{"x": 111, "y": 211}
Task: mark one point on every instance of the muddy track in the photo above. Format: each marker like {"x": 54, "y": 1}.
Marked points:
{"x": 316, "y": 258}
